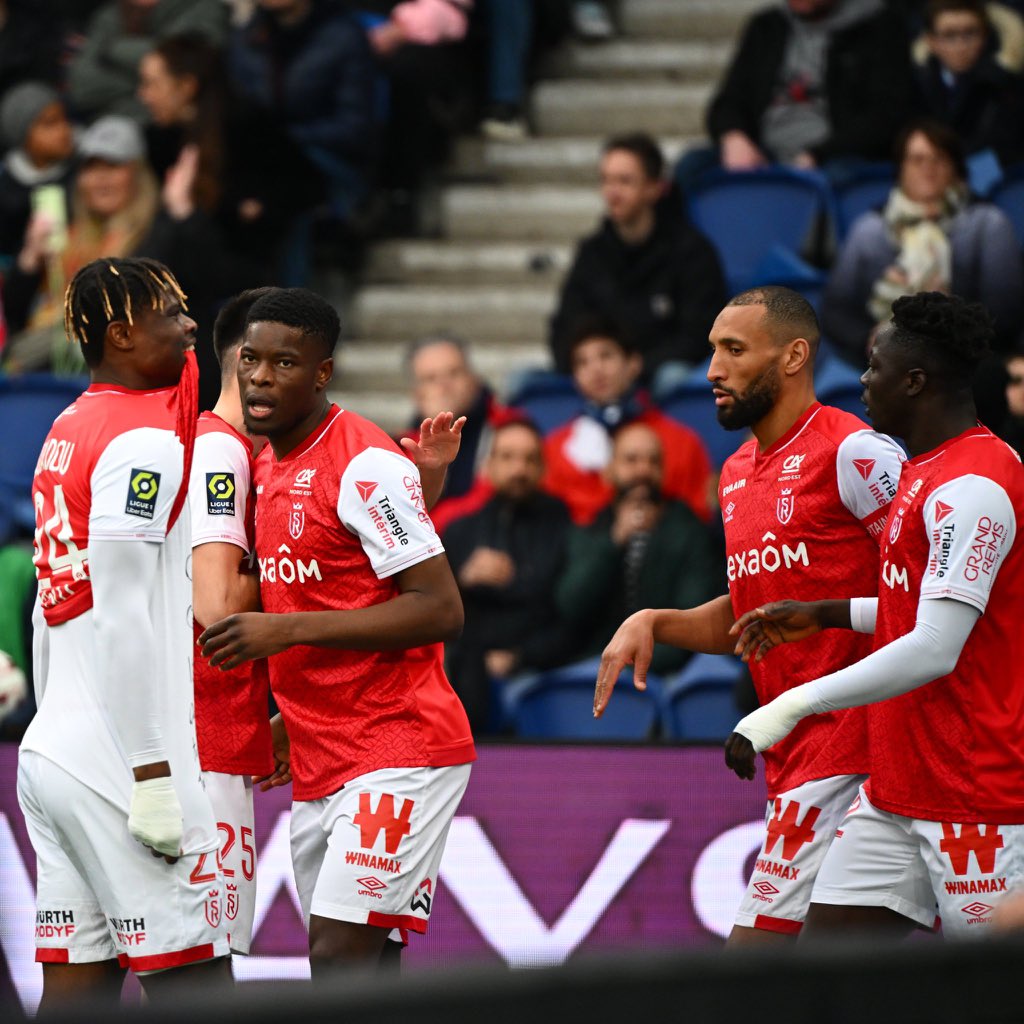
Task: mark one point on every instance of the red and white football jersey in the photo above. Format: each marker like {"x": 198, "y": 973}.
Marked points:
{"x": 802, "y": 519}
{"x": 232, "y": 706}
{"x": 336, "y": 519}
{"x": 111, "y": 469}
{"x": 953, "y": 750}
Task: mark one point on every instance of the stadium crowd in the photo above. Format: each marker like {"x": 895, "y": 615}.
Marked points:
{"x": 157, "y": 149}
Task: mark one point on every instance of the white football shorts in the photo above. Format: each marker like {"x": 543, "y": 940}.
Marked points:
{"x": 800, "y": 825}
{"x": 370, "y": 852}
{"x": 101, "y": 894}
{"x": 231, "y": 800}
{"x": 922, "y": 869}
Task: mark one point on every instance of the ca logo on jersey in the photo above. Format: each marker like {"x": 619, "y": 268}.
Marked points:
{"x": 220, "y": 494}
{"x": 143, "y": 487}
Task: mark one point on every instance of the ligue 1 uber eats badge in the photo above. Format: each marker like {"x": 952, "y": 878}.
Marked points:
{"x": 143, "y": 486}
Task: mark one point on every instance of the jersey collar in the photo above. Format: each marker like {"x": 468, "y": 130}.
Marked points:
{"x": 977, "y": 431}
{"x": 318, "y": 432}
{"x": 211, "y": 415}
{"x": 789, "y": 436}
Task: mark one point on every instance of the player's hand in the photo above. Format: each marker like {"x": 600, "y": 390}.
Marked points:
{"x": 439, "y": 441}
{"x": 780, "y": 622}
{"x": 12, "y": 685}
{"x": 740, "y": 755}
{"x": 282, "y": 773}
{"x": 633, "y": 644}
{"x": 155, "y": 819}
{"x": 243, "y": 637}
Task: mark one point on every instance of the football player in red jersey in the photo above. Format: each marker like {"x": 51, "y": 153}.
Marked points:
{"x": 357, "y": 600}
{"x": 940, "y": 824}
{"x": 802, "y": 505}
{"x": 108, "y": 774}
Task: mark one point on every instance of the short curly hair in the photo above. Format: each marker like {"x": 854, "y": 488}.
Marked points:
{"x": 301, "y": 308}
{"x": 950, "y": 335}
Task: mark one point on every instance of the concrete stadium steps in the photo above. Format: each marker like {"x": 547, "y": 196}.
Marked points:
{"x": 686, "y": 19}
{"x": 510, "y": 214}
{"x": 600, "y": 107}
{"x": 538, "y": 160}
{"x": 369, "y": 374}
{"x": 640, "y": 58}
{"x": 474, "y": 262}
{"x": 516, "y": 314}
{"x": 549, "y": 212}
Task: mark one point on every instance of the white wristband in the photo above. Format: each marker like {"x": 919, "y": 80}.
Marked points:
{"x": 863, "y": 613}
{"x": 775, "y": 721}
{"x": 155, "y": 818}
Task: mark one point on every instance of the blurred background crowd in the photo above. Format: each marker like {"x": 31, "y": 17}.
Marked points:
{"x": 530, "y": 212}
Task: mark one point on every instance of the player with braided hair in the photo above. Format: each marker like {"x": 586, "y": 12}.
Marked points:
{"x": 939, "y": 826}
{"x": 108, "y": 774}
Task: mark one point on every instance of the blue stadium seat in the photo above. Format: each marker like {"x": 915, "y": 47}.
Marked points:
{"x": 1008, "y": 195}
{"x": 549, "y": 399}
{"x": 698, "y": 704}
{"x": 760, "y": 221}
{"x": 28, "y": 406}
{"x": 837, "y": 383}
{"x": 867, "y": 189}
{"x": 558, "y": 705}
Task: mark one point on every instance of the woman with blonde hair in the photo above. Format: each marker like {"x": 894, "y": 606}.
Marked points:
{"x": 114, "y": 203}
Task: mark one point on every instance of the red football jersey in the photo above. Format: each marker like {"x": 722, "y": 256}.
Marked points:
{"x": 336, "y": 519}
{"x": 953, "y": 750}
{"x": 802, "y": 520}
{"x": 84, "y": 439}
{"x": 232, "y": 707}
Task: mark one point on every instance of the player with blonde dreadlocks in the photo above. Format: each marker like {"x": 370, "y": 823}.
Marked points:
{"x": 108, "y": 775}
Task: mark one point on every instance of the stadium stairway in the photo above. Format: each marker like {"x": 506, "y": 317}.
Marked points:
{"x": 510, "y": 212}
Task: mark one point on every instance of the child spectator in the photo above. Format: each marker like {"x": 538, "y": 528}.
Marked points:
{"x": 963, "y": 84}
{"x": 606, "y": 369}
{"x": 36, "y": 127}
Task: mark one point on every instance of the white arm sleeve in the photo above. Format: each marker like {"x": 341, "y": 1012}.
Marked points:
{"x": 125, "y": 640}
{"x": 40, "y": 651}
{"x": 863, "y": 613}
{"x": 930, "y": 650}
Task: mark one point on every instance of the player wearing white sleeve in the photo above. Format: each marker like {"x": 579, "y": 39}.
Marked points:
{"x": 803, "y": 504}
{"x": 108, "y": 776}
{"x": 940, "y": 824}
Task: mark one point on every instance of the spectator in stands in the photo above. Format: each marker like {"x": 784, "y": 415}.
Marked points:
{"x": 813, "y": 83}
{"x": 36, "y": 127}
{"x": 507, "y": 558}
{"x": 606, "y": 368}
{"x": 309, "y": 65}
{"x": 30, "y": 43}
{"x": 646, "y": 267}
{"x": 443, "y": 380}
{"x": 422, "y": 47}
{"x": 1013, "y": 427}
{"x": 117, "y": 209}
{"x": 644, "y": 550}
{"x": 929, "y": 237}
{"x": 104, "y": 76}
{"x": 963, "y": 84}
{"x": 516, "y": 31}
{"x": 250, "y": 177}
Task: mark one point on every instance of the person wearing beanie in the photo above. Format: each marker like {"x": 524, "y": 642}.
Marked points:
{"x": 35, "y": 126}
